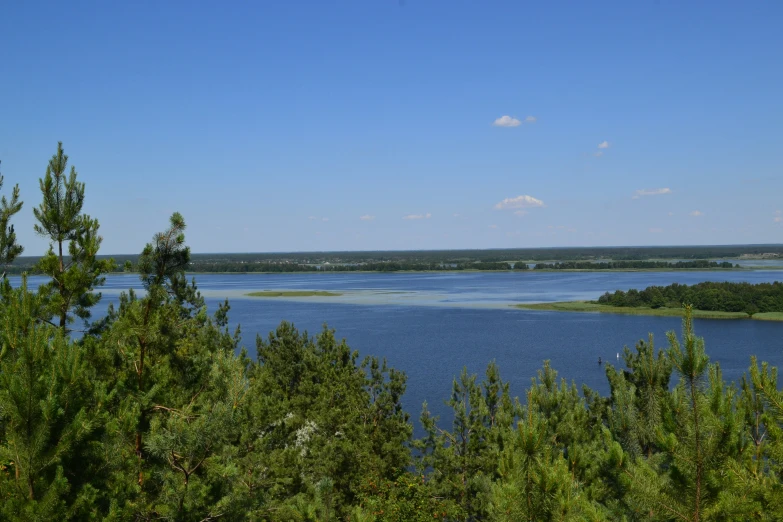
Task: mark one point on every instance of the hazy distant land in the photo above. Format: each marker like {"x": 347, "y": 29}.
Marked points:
{"x": 657, "y": 258}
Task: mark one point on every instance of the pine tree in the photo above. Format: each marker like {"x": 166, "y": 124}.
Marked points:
{"x": 45, "y": 416}
{"x": 60, "y": 219}
{"x": 576, "y": 433}
{"x": 387, "y": 423}
{"x": 765, "y": 422}
{"x": 9, "y": 248}
{"x": 700, "y": 440}
{"x": 321, "y": 428}
{"x": 535, "y": 481}
{"x": 143, "y": 326}
{"x": 191, "y": 437}
{"x": 463, "y": 460}
{"x": 647, "y": 382}
{"x": 162, "y": 263}
{"x": 175, "y": 390}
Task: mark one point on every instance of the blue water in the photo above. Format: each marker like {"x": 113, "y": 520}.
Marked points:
{"x": 436, "y": 324}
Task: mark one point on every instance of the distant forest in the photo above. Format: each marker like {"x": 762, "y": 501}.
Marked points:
{"x": 625, "y": 265}
{"x": 724, "y": 297}
{"x": 589, "y": 258}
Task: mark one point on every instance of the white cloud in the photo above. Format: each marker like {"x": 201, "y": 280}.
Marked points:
{"x": 418, "y": 216}
{"x": 456, "y": 215}
{"x": 696, "y": 213}
{"x": 520, "y": 213}
{"x": 530, "y": 119}
{"x": 312, "y": 218}
{"x": 493, "y": 226}
{"x": 598, "y": 154}
{"x": 324, "y": 219}
{"x": 778, "y": 216}
{"x": 651, "y": 192}
{"x": 603, "y": 145}
{"x": 367, "y": 217}
{"x": 519, "y": 202}
{"x": 507, "y": 121}
{"x": 655, "y": 230}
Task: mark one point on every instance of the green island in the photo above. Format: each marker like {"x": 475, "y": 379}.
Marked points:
{"x": 294, "y": 293}
{"x": 710, "y": 300}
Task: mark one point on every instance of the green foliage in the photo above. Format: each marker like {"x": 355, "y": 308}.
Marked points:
{"x": 60, "y": 220}
{"x": 536, "y": 482}
{"x": 175, "y": 391}
{"x": 764, "y": 416}
{"x": 319, "y": 419}
{"x": 640, "y": 397}
{"x": 45, "y": 415}
{"x": 162, "y": 263}
{"x": 710, "y": 296}
{"x": 407, "y": 498}
{"x": 9, "y": 248}
{"x": 701, "y": 438}
{"x": 463, "y": 461}
{"x": 156, "y": 414}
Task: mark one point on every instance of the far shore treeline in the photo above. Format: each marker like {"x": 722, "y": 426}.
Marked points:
{"x": 156, "y": 412}
{"x": 128, "y": 264}
{"x": 698, "y": 264}
{"x": 586, "y": 258}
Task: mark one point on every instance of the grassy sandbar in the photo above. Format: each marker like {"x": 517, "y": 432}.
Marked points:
{"x": 294, "y": 293}
{"x": 588, "y": 306}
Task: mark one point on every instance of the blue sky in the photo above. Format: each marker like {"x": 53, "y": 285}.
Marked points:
{"x": 356, "y": 125}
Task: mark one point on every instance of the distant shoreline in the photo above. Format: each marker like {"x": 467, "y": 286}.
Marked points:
{"x": 588, "y": 306}
{"x": 468, "y": 271}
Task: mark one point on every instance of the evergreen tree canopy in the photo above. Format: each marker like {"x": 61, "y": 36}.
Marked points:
{"x": 9, "y": 248}
{"x": 60, "y": 219}
{"x": 157, "y": 413}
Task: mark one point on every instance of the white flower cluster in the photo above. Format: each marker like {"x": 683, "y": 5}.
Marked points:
{"x": 303, "y": 435}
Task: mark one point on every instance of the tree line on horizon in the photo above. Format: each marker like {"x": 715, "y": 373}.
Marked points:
{"x": 241, "y": 266}
{"x": 702, "y": 264}
{"x": 155, "y": 412}
{"x": 379, "y": 266}
{"x": 585, "y": 258}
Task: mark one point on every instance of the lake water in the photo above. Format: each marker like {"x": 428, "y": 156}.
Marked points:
{"x": 431, "y": 325}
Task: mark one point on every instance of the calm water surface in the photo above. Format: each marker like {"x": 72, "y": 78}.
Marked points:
{"x": 433, "y": 325}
